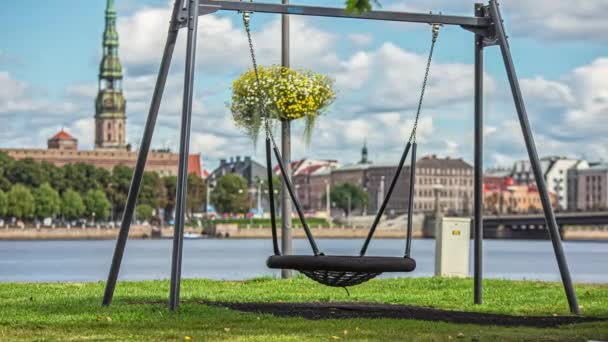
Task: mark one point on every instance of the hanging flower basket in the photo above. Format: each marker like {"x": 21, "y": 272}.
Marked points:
{"x": 288, "y": 95}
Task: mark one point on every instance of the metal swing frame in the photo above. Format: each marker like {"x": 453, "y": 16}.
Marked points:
{"x": 488, "y": 29}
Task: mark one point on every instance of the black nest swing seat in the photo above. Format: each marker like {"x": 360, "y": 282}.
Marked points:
{"x": 335, "y": 270}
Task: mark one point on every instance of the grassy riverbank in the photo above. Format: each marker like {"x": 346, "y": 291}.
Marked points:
{"x": 72, "y": 311}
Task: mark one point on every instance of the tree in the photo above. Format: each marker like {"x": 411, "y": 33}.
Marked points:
{"x": 197, "y": 191}
{"x": 347, "y": 194}
{"x": 230, "y": 194}
{"x": 53, "y": 175}
{"x": 152, "y": 190}
{"x": 3, "y": 203}
{"x": 97, "y": 204}
{"x": 118, "y": 189}
{"x": 25, "y": 171}
{"x": 47, "y": 200}
{"x": 170, "y": 191}
{"x": 144, "y": 212}
{"x": 72, "y": 206}
{"x": 83, "y": 177}
{"x": 5, "y": 163}
{"x": 20, "y": 202}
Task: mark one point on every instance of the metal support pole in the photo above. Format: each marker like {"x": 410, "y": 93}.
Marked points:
{"x": 142, "y": 157}
{"x": 534, "y": 161}
{"x": 410, "y": 204}
{"x": 328, "y": 200}
{"x": 184, "y": 147}
{"x": 478, "y": 177}
{"x": 286, "y": 232}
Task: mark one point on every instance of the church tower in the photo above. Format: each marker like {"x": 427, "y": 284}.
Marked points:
{"x": 110, "y": 118}
{"x": 364, "y": 159}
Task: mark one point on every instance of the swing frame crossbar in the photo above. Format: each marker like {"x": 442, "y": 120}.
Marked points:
{"x": 488, "y": 29}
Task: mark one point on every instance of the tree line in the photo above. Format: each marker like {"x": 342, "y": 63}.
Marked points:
{"x": 36, "y": 190}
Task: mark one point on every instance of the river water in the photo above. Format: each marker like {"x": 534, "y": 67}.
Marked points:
{"x": 85, "y": 261}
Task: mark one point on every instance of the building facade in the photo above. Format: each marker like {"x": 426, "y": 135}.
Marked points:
{"x": 306, "y": 174}
{"x": 252, "y": 171}
{"x": 451, "y": 178}
{"x": 593, "y": 188}
{"x": 503, "y": 196}
{"x": 555, "y": 170}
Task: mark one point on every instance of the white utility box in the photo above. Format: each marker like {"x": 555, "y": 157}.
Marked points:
{"x": 452, "y": 239}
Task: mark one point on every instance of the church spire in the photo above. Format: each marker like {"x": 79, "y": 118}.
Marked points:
{"x": 110, "y": 66}
{"x": 364, "y": 159}
{"x": 110, "y": 118}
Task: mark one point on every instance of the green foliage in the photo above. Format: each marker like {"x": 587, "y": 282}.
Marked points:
{"x": 197, "y": 191}
{"x": 144, "y": 212}
{"x": 170, "y": 183}
{"x": 5, "y": 164}
{"x": 83, "y": 177}
{"x": 48, "y": 202}
{"x": 152, "y": 191}
{"x": 25, "y": 171}
{"x": 71, "y": 186}
{"x": 20, "y": 202}
{"x": 342, "y": 194}
{"x": 3, "y": 203}
{"x": 53, "y": 175}
{"x": 97, "y": 204}
{"x": 360, "y": 6}
{"x": 118, "y": 189}
{"x": 72, "y": 206}
{"x": 230, "y": 194}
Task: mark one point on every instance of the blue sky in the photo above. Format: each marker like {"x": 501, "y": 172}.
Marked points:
{"x": 49, "y": 55}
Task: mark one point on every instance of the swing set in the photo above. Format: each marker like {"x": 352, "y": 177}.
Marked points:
{"x": 332, "y": 270}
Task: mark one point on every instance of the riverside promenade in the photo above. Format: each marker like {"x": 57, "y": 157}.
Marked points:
{"x": 149, "y": 232}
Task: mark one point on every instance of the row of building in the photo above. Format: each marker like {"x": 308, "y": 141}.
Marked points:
{"x": 450, "y": 179}
{"x": 574, "y": 185}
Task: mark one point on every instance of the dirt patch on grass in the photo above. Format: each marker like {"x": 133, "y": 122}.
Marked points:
{"x": 317, "y": 311}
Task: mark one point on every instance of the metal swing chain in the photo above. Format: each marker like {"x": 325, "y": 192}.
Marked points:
{"x": 435, "y": 30}
{"x": 267, "y": 127}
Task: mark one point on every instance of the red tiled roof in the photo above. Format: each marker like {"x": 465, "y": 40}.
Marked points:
{"x": 62, "y": 135}
{"x": 310, "y": 169}
{"x": 194, "y": 165}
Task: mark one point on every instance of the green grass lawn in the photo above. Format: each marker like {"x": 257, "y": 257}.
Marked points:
{"x": 72, "y": 311}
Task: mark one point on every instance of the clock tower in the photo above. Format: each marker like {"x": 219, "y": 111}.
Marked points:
{"x": 110, "y": 105}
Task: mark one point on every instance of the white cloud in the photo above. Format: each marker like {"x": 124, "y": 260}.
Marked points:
{"x": 360, "y": 40}
{"x": 17, "y": 96}
{"x": 568, "y": 116}
{"x": 391, "y": 79}
{"x": 221, "y": 44}
{"x": 544, "y": 19}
